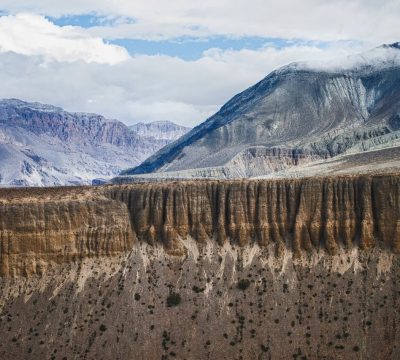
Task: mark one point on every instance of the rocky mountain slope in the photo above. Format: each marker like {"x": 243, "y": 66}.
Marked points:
{"x": 45, "y": 145}
{"x": 266, "y": 269}
{"x": 298, "y": 114}
{"x": 166, "y": 130}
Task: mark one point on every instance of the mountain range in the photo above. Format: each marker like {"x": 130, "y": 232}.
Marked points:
{"x": 305, "y": 118}
{"x": 43, "y": 145}
{"x": 162, "y": 130}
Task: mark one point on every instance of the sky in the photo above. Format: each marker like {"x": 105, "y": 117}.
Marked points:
{"x": 178, "y": 60}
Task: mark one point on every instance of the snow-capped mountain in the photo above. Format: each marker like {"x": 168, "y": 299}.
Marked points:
{"x": 298, "y": 115}
{"x": 45, "y": 145}
{"x": 166, "y": 130}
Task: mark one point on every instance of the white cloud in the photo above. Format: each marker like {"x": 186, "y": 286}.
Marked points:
{"x": 29, "y": 34}
{"x": 74, "y": 68}
{"x": 146, "y": 88}
{"x": 366, "y": 20}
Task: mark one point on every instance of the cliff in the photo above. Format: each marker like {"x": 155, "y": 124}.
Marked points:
{"x": 300, "y": 214}
{"x": 302, "y": 269}
{"x": 36, "y": 232}
{"x": 41, "y": 227}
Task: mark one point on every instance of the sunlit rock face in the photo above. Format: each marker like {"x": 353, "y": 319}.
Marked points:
{"x": 38, "y": 230}
{"x": 257, "y": 269}
{"x": 304, "y": 214}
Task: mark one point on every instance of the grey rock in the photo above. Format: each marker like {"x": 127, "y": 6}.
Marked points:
{"x": 166, "y": 130}
{"x": 43, "y": 145}
{"x": 317, "y": 110}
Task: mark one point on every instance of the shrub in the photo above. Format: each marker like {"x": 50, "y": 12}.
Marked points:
{"x": 243, "y": 284}
{"x": 173, "y": 299}
{"x": 197, "y": 290}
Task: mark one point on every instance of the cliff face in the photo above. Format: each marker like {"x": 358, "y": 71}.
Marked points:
{"x": 300, "y": 214}
{"x": 265, "y": 270}
{"x": 39, "y": 233}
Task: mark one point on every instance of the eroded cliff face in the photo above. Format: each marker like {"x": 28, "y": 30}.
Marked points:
{"x": 303, "y": 269}
{"x": 37, "y": 232}
{"x": 300, "y": 214}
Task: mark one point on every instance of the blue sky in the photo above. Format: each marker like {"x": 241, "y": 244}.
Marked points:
{"x": 188, "y": 48}
{"x": 193, "y": 49}
{"x": 178, "y": 60}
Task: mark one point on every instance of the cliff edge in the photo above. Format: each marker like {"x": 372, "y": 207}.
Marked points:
{"x": 38, "y": 227}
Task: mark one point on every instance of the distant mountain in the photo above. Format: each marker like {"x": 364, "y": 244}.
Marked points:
{"x": 300, "y": 114}
{"x": 166, "y": 130}
{"x": 45, "y": 145}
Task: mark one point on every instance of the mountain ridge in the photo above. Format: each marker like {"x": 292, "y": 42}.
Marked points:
{"x": 162, "y": 129}
{"x": 43, "y": 144}
{"x": 298, "y": 108}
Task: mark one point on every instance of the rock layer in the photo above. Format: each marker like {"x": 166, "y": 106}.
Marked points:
{"x": 239, "y": 298}
{"x": 36, "y": 234}
{"x": 303, "y": 215}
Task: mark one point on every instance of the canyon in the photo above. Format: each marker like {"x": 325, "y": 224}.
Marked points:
{"x": 268, "y": 269}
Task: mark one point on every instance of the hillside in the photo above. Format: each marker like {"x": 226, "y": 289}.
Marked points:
{"x": 166, "y": 130}
{"x": 266, "y": 269}
{"x": 42, "y": 145}
{"x": 297, "y": 115}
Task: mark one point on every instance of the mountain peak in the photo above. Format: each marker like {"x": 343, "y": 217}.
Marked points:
{"x": 395, "y": 45}
{"x": 17, "y": 103}
{"x": 46, "y": 145}
{"x": 302, "y": 112}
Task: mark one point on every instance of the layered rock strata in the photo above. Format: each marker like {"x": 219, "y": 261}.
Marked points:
{"x": 303, "y": 215}
{"x": 302, "y": 269}
{"x": 36, "y": 232}
{"x": 300, "y": 214}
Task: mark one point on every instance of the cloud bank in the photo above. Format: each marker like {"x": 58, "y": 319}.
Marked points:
{"x": 77, "y": 68}
{"x": 367, "y": 20}
{"x": 146, "y": 88}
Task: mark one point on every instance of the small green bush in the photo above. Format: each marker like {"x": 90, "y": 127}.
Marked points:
{"x": 197, "y": 290}
{"x": 243, "y": 284}
{"x": 173, "y": 299}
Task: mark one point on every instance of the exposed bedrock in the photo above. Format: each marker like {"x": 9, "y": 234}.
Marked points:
{"x": 303, "y": 215}
{"x": 302, "y": 269}
{"x": 300, "y": 214}
{"x": 34, "y": 235}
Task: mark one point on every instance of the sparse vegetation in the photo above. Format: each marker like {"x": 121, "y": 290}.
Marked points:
{"x": 197, "y": 289}
{"x": 173, "y": 299}
{"x": 243, "y": 284}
